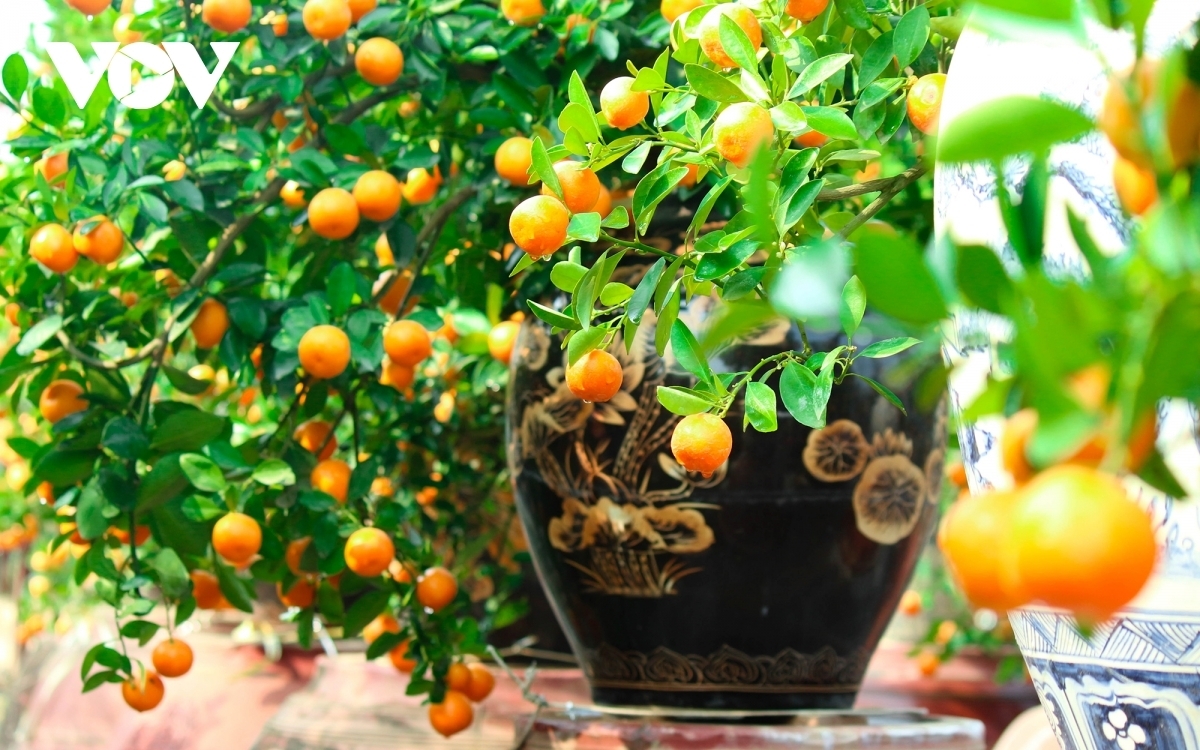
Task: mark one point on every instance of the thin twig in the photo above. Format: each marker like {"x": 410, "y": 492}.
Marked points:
{"x": 884, "y": 198}
{"x": 871, "y": 186}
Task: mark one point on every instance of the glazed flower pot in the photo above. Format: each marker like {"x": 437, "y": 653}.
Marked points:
{"x": 766, "y": 586}
{"x": 1135, "y": 683}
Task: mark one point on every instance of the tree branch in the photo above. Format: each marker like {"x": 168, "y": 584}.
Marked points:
{"x": 872, "y": 186}
{"x": 899, "y": 183}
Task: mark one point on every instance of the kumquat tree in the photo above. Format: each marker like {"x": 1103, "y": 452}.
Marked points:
{"x": 775, "y": 118}
{"x": 264, "y": 341}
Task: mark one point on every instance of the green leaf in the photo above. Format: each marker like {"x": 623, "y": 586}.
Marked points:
{"x": 645, "y": 291}
{"x": 172, "y": 575}
{"x": 688, "y": 353}
{"x": 15, "y": 76}
{"x": 854, "y": 13}
{"x": 635, "y": 159}
{"x": 801, "y": 395}
{"x": 365, "y": 609}
{"x": 125, "y": 438}
{"x": 543, "y": 168}
{"x": 737, "y": 45}
{"x": 340, "y": 287}
{"x": 831, "y": 121}
{"x": 683, "y": 401}
{"x": 164, "y": 482}
{"x": 912, "y": 32}
{"x": 204, "y": 475}
{"x": 788, "y": 117}
{"x": 233, "y": 589}
{"x": 1158, "y": 475}
{"x": 44, "y": 330}
{"x": 712, "y": 85}
{"x": 715, "y": 265}
{"x": 553, "y": 317}
{"x": 666, "y": 319}
{"x": 618, "y": 218}
{"x": 1053, "y": 10}
{"x": 102, "y": 678}
{"x": 854, "y": 304}
{"x": 583, "y": 342}
{"x": 615, "y": 293}
{"x": 897, "y": 281}
{"x": 584, "y": 227}
{"x": 201, "y": 509}
{"x": 982, "y": 279}
{"x": 141, "y": 630}
{"x": 888, "y": 347}
{"x": 760, "y": 407}
{"x": 89, "y": 513}
{"x": 817, "y": 72}
{"x": 185, "y": 382}
{"x": 49, "y": 106}
{"x": 187, "y": 430}
{"x": 884, "y": 391}
{"x": 1010, "y": 126}
{"x": 876, "y": 59}
{"x": 566, "y": 275}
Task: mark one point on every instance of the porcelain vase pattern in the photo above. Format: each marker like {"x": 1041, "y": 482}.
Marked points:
{"x": 1135, "y": 683}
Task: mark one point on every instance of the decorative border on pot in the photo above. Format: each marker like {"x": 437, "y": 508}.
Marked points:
{"x": 1143, "y": 640}
{"x": 727, "y": 670}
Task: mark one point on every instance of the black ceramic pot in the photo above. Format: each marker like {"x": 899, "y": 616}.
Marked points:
{"x": 764, "y": 587}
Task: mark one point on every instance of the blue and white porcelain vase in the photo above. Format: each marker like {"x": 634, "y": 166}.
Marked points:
{"x": 1135, "y": 684}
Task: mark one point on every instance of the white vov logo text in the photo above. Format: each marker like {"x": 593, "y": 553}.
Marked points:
{"x": 178, "y": 57}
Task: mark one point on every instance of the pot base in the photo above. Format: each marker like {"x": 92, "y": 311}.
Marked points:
{"x": 721, "y": 702}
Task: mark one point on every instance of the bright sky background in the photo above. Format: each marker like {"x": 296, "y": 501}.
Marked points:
{"x": 19, "y": 18}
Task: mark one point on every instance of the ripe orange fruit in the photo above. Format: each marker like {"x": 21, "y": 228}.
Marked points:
{"x": 910, "y": 603}
{"x": 452, "y": 715}
{"x": 327, "y": 19}
{"x": 397, "y": 376}
{"x": 52, "y": 246}
{"x": 12, "y": 312}
{"x": 925, "y": 102}
{"x": 1013, "y": 441}
{"x": 383, "y": 487}
{"x": 604, "y": 203}
{"x": 811, "y": 139}
{"x": 513, "y": 159}
{"x": 482, "y": 682}
{"x": 806, "y": 10}
{"x": 295, "y": 554}
{"x": 595, "y": 377}
{"x": 383, "y": 251}
{"x": 102, "y": 244}
{"x": 144, "y": 694}
{"x": 501, "y": 339}
{"x": 332, "y": 476}
{"x": 390, "y": 301}
{"x": 384, "y": 623}
{"x": 300, "y": 595}
{"x": 280, "y": 25}
{"x": 968, "y": 537}
{"x": 421, "y": 185}
{"x": 333, "y": 212}
{"x": 236, "y": 537}
{"x": 293, "y": 195}
{"x": 407, "y": 342}
{"x": 426, "y": 496}
{"x": 206, "y": 590}
{"x": 45, "y": 493}
{"x": 172, "y": 658}
{"x": 539, "y": 225}
{"x": 1137, "y": 188}
{"x": 436, "y": 588}
{"x": 710, "y": 32}
{"x": 121, "y": 31}
{"x": 139, "y": 536}
{"x": 1142, "y": 441}
{"x": 400, "y": 660}
{"x": 324, "y": 351}
{"x": 578, "y": 19}
{"x": 53, "y": 166}
{"x": 1079, "y": 542}
{"x": 61, "y": 399}
{"x": 672, "y": 9}
{"x": 174, "y": 171}
{"x": 379, "y": 61}
{"x": 523, "y": 12}
{"x": 928, "y": 662}
{"x": 701, "y": 442}
{"x": 369, "y": 551}
{"x": 580, "y": 186}
{"x": 314, "y": 436}
{"x": 360, "y": 8}
{"x": 226, "y": 15}
{"x": 1183, "y": 124}
{"x": 377, "y": 194}
{"x": 458, "y": 677}
{"x": 621, "y": 106}
{"x": 741, "y": 130}
{"x": 210, "y": 324}
{"x": 90, "y": 7}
